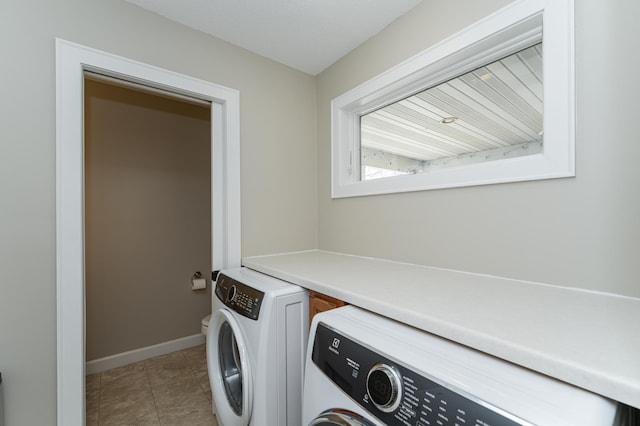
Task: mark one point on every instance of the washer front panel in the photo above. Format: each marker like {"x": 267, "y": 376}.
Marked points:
{"x": 230, "y": 367}
{"x": 423, "y": 401}
{"x": 229, "y": 370}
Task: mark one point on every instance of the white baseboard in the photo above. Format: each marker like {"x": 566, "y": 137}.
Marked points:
{"x": 118, "y": 360}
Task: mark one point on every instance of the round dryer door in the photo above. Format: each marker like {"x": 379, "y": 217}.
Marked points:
{"x": 339, "y": 417}
{"x": 229, "y": 370}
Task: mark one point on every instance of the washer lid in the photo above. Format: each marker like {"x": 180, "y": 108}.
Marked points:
{"x": 229, "y": 370}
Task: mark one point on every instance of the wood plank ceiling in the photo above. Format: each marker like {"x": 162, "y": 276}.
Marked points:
{"x": 491, "y": 108}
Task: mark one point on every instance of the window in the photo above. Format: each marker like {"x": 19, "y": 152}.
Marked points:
{"x": 468, "y": 111}
{"x": 487, "y": 114}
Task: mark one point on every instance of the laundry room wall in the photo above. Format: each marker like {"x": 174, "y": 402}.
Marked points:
{"x": 278, "y": 160}
{"x": 147, "y": 218}
{"x": 578, "y": 232}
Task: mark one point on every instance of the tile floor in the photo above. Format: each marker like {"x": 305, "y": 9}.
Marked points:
{"x": 171, "y": 389}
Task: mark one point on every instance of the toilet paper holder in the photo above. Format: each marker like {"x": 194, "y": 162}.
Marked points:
{"x": 198, "y": 282}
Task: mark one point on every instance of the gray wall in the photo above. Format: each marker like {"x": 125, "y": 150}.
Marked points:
{"x": 272, "y": 98}
{"x": 147, "y": 218}
{"x": 577, "y": 232}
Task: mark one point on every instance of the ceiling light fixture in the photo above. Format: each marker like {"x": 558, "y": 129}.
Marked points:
{"x": 449, "y": 120}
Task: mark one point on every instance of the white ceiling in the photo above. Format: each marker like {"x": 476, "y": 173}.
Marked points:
{"x": 308, "y": 35}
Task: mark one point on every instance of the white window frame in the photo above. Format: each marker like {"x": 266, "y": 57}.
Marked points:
{"x": 506, "y": 31}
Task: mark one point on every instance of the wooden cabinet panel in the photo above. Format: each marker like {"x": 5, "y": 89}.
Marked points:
{"x": 319, "y": 302}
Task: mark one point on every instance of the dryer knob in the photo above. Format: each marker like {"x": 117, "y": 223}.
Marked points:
{"x": 232, "y": 293}
{"x": 384, "y": 387}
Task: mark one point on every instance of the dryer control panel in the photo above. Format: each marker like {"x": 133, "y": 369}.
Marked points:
{"x": 395, "y": 394}
{"x": 240, "y": 297}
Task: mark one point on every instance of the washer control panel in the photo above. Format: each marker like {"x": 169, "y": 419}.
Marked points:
{"x": 395, "y": 394}
{"x": 240, "y": 297}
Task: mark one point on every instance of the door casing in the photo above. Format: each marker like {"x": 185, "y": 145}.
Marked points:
{"x": 72, "y": 61}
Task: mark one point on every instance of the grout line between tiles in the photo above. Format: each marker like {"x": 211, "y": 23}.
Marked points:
{"x": 153, "y": 395}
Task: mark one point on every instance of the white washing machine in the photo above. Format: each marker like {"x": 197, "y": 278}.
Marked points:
{"x": 256, "y": 343}
{"x": 363, "y": 369}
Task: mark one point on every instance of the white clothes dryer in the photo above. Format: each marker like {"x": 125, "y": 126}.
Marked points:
{"x": 366, "y": 370}
{"x": 256, "y": 345}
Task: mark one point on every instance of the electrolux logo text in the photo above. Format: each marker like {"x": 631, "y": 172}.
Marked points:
{"x": 335, "y": 344}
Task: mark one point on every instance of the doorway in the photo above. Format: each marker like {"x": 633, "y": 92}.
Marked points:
{"x": 72, "y": 61}
{"x": 147, "y": 202}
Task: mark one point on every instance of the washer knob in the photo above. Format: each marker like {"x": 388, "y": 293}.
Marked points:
{"x": 384, "y": 387}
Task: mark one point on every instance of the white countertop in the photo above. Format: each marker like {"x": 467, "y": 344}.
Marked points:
{"x": 588, "y": 339}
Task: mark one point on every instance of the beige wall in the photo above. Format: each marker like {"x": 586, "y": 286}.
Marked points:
{"x": 277, "y": 107}
{"x": 578, "y": 232}
{"x": 147, "y": 218}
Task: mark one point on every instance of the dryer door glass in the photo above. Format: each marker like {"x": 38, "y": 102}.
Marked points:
{"x": 230, "y": 367}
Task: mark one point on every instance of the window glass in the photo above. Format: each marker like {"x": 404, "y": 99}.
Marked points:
{"x": 493, "y": 112}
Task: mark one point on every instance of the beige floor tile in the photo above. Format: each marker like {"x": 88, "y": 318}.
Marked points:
{"x": 177, "y": 392}
{"x": 150, "y": 419}
{"x": 92, "y": 406}
{"x": 92, "y": 382}
{"x": 196, "y": 353}
{"x": 126, "y": 372}
{"x": 171, "y": 389}
{"x": 130, "y": 409}
{"x": 203, "y": 379}
{"x": 196, "y": 411}
{"x": 182, "y": 401}
{"x": 166, "y": 368}
{"x": 199, "y": 367}
{"x": 92, "y": 400}
{"x": 92, "y": 419}
{"x": 136, "y": 384}
{"x": 197, "y": 358}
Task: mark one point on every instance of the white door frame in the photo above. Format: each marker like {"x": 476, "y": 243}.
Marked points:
{"x": 71, "y": 62}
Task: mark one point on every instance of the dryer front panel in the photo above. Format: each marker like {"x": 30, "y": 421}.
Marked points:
{"x": 239, "y": 297}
